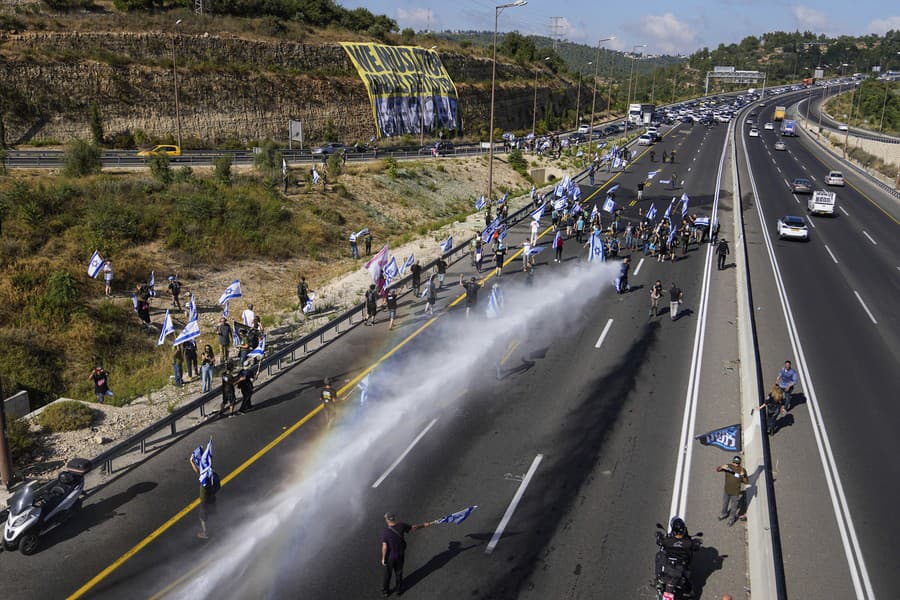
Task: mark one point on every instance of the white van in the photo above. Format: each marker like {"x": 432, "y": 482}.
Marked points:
{"x": 821, "y": 203}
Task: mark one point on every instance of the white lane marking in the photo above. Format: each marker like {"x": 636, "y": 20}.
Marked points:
{"x": 603, "y": 333}
{"x": 786, "y": 183}
{"x": 779, "y": 169}
{"x": 859, "y": 574}
{"x": 512, "y": 505}
{"x": 843, "y": 211}
{"x": 691, "y": 398}
{"x": 402, "y": 456}
{"x": 810, "y": 221}
{"x": 638, "y": 269}
{"x": 796, "y": 198}
{"x": 865, "y": 308}
{"x": 870, "y": 237}
{"x": 689, "y": 169}
{"x": 831, "y": 254}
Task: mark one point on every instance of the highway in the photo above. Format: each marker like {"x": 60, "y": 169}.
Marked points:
{"x": 571, "y": 455}
{"x": 832, "y": 310}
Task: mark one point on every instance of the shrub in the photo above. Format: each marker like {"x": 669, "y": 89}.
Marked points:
{"x": 66, "y": 416}
{"x": 222, "y": 171}
{"x": 334, "y": 166}
{"x": 19, "y": 437}
{"x": 392, "y": 167}
{"x": 82, "y": 159}
{"x": 96, "y": 125}
{"x": 268, "y": 160}
{"x": 518, "y": 162}
{"x": 160, "y": 169}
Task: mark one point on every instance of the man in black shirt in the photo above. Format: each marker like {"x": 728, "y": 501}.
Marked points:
{"x": 471, "y": 292}
{"x": 393, "y": 551}
{"x": 229, "y": 398}
{"x": 722, "y": 252}
{"x": 416, "y": 271}
{"x": 441, "y": 272}
{"x": 392, "y": 306}
{"x": 245, "y": 384}
{"x": 175, "y": 289}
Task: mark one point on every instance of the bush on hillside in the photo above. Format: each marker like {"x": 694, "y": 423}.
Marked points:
{"x": 19, "y": 438}
{"x": 66, "y": 416}
{"x": 160, "y": 169}
{"x": 222, "y": 171}
{"x": 82, "y": 159}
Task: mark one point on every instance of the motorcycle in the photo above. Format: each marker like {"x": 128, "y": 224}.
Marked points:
{"x": 673, "y": 571}
{"x": 37, "y": 508}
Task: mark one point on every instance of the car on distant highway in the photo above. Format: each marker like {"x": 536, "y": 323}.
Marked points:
{"x": 329, "y": 148}
{"x": 843, "y": 127}
{"x": 779, "y": 145}
{"x": 801, "y": 185}
{"x": 577, "y": 138}
{"x": 161, "y": 150}
{"x": 442, "y": 148}
{"x": 584, "y": 128}
{"x": 754, "y": 132}
{"x": 646, "y": 140}
{"x": 769, "y": 126}
{"x": 793, "y": 228}
{"x": 834, "y": 178}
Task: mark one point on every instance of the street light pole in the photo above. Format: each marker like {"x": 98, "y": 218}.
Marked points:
{"x": 578, "y": 98}
{"x": 534, "y": 107}
{"x": 630, "y": 76}
{"x": 594, "y": 95}
{"x": 497, "y": 11}
{"x": 175, "y": 84}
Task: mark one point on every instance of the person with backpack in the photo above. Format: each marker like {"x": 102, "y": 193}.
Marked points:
{"x": 245, "y": 385}
{"x": 175, "y": 290}
{"x": 391, "y": 301}
{"x": 190, "y": 358}
{"x": 371, "y": 304}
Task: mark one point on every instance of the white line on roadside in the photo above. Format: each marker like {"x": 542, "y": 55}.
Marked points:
{"x": 402, "y": 456}
{"x": 796, "y": 198}
{"x": 603, "y": 333}
{"x": 811, "y": 223}
{"x": 859, "y": 574}
{"x": 870, "y": 237}
{"x": 831, "y": 254}
{"x": 512, "y": 505}
{"x": 638, "y": 269}
{"x": 786, "y": 184}
{"x": 865, "y": 308}
{"x": 779, "y": 169}
{"x": 844, "y": 211}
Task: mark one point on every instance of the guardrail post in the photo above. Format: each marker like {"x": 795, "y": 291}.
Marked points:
{"x": 203, "y": 410}
{"x": 144, "y": 446}
{"x": 107, "y": 466}
{"x": 172, "y": 426}
{"x": 322, "y": 338}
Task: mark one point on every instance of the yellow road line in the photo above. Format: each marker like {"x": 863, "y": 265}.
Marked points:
{"x": 510, "y": 349}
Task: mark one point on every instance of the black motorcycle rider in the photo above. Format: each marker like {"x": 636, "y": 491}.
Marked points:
{"x": 676, "y": 546}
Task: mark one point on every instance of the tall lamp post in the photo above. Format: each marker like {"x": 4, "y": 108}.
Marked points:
{"x": 497, "y": 10}
{"x": 578, "y": 97}
{"x": 630, "y": 76}
{"x": 175, "y": 85}
{"x": 534, "y": 106}
{"x": 594, "y": 95}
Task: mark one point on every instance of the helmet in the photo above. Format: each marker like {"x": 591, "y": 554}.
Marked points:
{"x": 678, "y": 527}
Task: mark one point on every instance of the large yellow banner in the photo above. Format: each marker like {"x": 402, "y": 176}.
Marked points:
{"x": 408, "y": 86}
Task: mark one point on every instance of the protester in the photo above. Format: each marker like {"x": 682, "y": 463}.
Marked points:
{"x": 675, "y": 298}
{"x": 471, "y": 287}
{"x": 207, "y": 362}
{"x": 786, "y": 380}
{"x": 248, "y": 316}
{"x": 303, "y": 292}
{"x": 368, "y": 242}
{"x": 244, "y": 346}
{"x": 223, "y": 330}
{"x": 108, "y": 277}
{"x": 430, "y": 297}
{"x": 229, "y": 397}
{"x": 207, "y": 493}
{"x": 190, "y": 358}
{"x": 101, "y": 383}
{"x": 244, "y": 383}
{"x": 328, "y": 401}
{"x": 393, "y": 551}
{"x": 416, "y": 277}
{"x": 721, "y": 252}
{"x": 656, "y": 292}
{"x": 622, "y": 281}
{"x": 391, "y": 301}
{"x": 178, "y": 365}
{"x": 441, "y": 267}
{"x": 371, "y": 304}
{"x": 735, "y": 475}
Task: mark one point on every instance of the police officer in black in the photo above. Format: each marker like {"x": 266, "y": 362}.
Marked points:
{"x": 229, "y": 398}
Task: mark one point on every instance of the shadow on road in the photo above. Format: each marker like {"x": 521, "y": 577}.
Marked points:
{"x": 438, "y": 561}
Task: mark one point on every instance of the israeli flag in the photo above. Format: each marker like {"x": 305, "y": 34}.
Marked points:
{"x": 447, "y": 245}
{"x": 534, "y": 250}
{"x": 190, "y": 331}
{"x": 363, "y": 387}
{"x": 225, "y": 310}
{"x": 503, "y": 234}
{"x": 309, "y": 304}
{"x": 557, "y": 238}
{"x": 539, "y": 213}
{"x": 559, "y": 191}
{"x": 235, "y": 336}
{"x": 727, "y": 438}
{"x": 390, "y": 270}
{"x": 560, "y": 204}
{"x": 609, "y": 205}
{"x": 283, "y": 166}
{"x": 597, "y": 251}
{"x": 259, "y": 351}
{"x": 702, "y": 221}
{"x": 576, "y": 192}
{"x": 617, "y": 162}
{"x": 652, "y": 174}
{"x": 192, "y": 309}
{"x": 315, "y": 175}
{"x": 671, "y": 237}
{"x": 684, "y": 206}
{"x": 96, "y": 265}
{"x": 152, "y": 283}
{"x": 503, "y": 199}
{"x": 665, "y": 181}
{"x": 480, "y": 203}
{"x": 409, "y": 262}
{"x": 362, "y": 232}
{"x": 457, "y": 517}
{"x": 533, "y": 191}
{"x": 167, "y": 328}
{"x": 566, "y": 182}
{"x": 651, "y": 213}
{"x": 203, "y": 460}
{"x": 594, "y": 212}
{"x": 231, "y": 292}
{"x": 668, "y": 213}
{"x": 612, "y": 190}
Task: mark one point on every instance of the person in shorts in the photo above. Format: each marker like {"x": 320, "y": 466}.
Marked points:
{"x": 391, "y": 301}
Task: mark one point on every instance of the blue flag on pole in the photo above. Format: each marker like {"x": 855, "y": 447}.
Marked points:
{"x": 652, "y": 174}
{"x": 232, "y": 291}
{"x": 446, "y": 245}
{"x": 594, "y": 212}
{"x": 684, "y": 204}
{"x": 408, "y": 263}
{"x": 390, "y": 270}
{"x": 364, "y": 388}
{"x": 609, "y": 205}
{"x": 225, "y": 310}
{"x": 727, "y": 438}
{"x": 95, "y": 265}
{"x": 597, "y": 251}
{"x": 203, "y": 460}
{"x": 503, "y": 234}
{"x": 309, "y": 303}
{"x": 457, "y": 517}
{"x": 167, "y": 328}
{"x": 651, "y": 212}
{"x": 190, "y": 331}
{"x": 152, "y": 283}
{"x": 480, "y": 203}
{"x": 612, "y": 190}
{"x": 192, "y": 309}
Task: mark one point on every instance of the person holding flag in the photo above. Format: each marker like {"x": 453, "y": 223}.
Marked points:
{"x": 201, "y": 463}
{"x": 558, "y": 246}
{"x": 393, "y": 551}
{"x": 597, "y": 251}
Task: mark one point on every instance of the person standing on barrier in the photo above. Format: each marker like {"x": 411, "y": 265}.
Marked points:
{"x": 735, "y": 476}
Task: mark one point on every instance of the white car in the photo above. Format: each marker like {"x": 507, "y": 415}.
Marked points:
{"x": 645, "y": 140}
{"x": 769, "y": 126}
{"x": 834, "y": 178}
{"x": 843, "y": 127}
{"x": 754, "y": 132}
{"x": 584, "y": 128}
{"x": 779, "y": 145}
{"x": 793, "y": 228}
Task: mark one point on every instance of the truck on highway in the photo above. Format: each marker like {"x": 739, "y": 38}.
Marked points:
{"x": 640, "y": 114}
{"x": 789, "y": 128}
{"x": 809, "y": 81}
{"x": 779, "y": 113}
{"x": 821, "y": 203}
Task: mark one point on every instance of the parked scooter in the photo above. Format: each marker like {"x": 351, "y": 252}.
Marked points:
{"x": 37, "y": 508}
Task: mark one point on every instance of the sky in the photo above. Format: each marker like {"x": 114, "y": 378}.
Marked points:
{"x": 666, "y": 27}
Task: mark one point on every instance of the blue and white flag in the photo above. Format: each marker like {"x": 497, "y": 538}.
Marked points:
{"x": 668, "y": 213}
{"x": 390, "y": 271}
{"x": 559, "y": 191}
{"x": 167, "y": 328}
{"x": 480, "y": 203}
{"x": 534, "y": 250}
{"x": 665, "y": 181}
{"x": 727, "y": 438}
{"x": 539, "y": 213}
{"x": 95, "y": 265}
{"x": 671, "y": 237}
{"x": 362, "y": 232}
{"x": 597, "y": 251}
{"x": 283, "y": 166}
{"x": 447, "y": 245}
{"x": 560, "y": 204}
{"x": 652, "y": 174}
{"x": 576, "y": 192}
{"x": 203, "y": 459}
{"x": 609, "y": 205}
{"x": 192, "y": 309}
{"x": 651, "y": 212}
{"x": 235, "y": 336}
{"x": 190, "y": 331}
{"x": 259, "y": 351}
{"x": 503, "y": 199}
{"x": 617, "y": 162}
{"x": 533, "y": 191}
{"x": 702, "y": 221}
{"x": 595, "y": 212}
{"x": 612, "y": 190}
{"x": 309, "y": 303}
{"x": 363, "y": 387}
{"x": 315, "y": 176}
{"x": 503, "y": 233}
{"x": 495, "y": 303}
{"x": 231, "y": 292}
{"x": 457, "y": 517}
{"x": 557, "y": 238}
{"x": 566, "y": 182}
{"x": 409, "y": 262}
{"x": 152, "y": 283}
{"x": 225, "y": 310}
{"x": 684, "y": 204}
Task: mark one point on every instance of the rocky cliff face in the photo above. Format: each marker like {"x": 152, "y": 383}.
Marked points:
{"x": 228, "y": 87}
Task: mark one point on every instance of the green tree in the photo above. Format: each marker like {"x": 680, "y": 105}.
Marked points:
{"x": 96, "y": 125}
{"x": 160, "y": 169}
{"x": 408, "y": 35}
{"x": 268, "y": 160}
{"x": 222, "y": 170}
{"x": 334, "y": 164}
{"x": 82, "y": 158}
